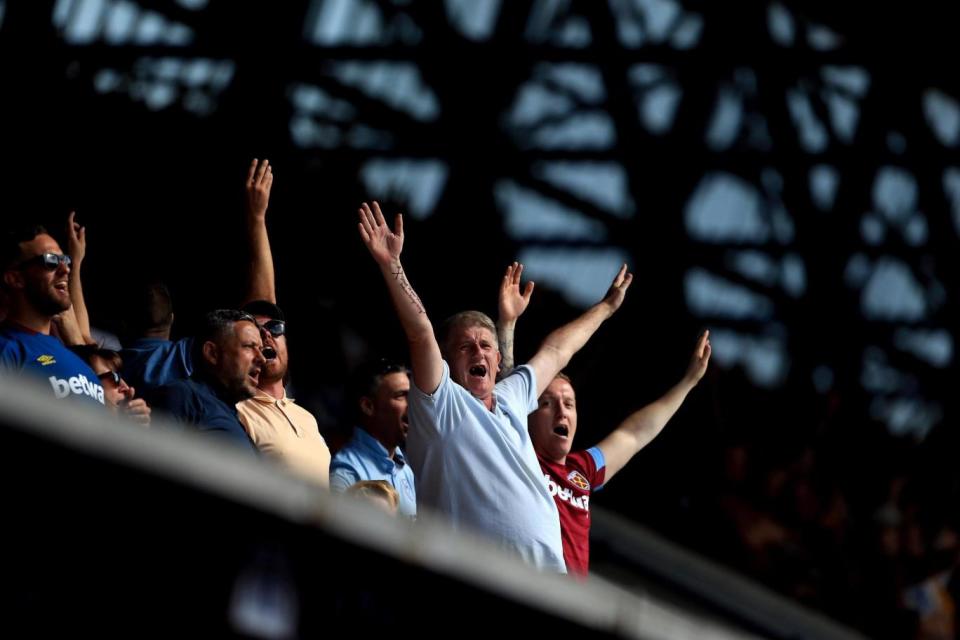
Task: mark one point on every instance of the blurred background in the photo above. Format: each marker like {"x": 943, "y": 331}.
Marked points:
{"x": 783, "y": 173}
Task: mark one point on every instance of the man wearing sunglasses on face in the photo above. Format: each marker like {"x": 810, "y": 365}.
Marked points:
{"x": 281, "y": 430}
{"x": 35, "y": 284}
{"x": 117, "y": 394}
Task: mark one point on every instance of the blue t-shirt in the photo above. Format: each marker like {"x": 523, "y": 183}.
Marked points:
{"x": 43, "y": 356}
{"x": 195, "y": 404}
{"x": 478, "y": 467}
{"x": 364, "y": 458}
{"x": 154, "y": 362}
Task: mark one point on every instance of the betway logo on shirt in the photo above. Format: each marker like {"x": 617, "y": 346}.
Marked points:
{"x": 78, "y": 385}
{"x": 562, "y": 493}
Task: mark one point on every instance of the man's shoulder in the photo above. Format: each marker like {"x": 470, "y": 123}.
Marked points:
{"x": 179, "y": 392}
{"x": 589, "y": 462}
{"x": 11, "y": 348}
{"x": 20, "y": 348}
{"x": 11, "y": 336}
{"x": 351, "y": 450}
{"x": 348, "y": 459}
{"x": 579, "y": 458}
{"x": 183, "y": 385}
{"x": 300, "y": 412}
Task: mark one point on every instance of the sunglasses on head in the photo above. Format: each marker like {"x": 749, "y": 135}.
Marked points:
{"x": 50, "y": 261}
{"x": 110, "y": 375}
{"x": 276, "y": 328}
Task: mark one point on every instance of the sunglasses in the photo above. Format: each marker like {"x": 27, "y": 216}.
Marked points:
{"x": 110, "y": 375}
{"x": 50, "y": 261}
{"x": 276, "y": 328}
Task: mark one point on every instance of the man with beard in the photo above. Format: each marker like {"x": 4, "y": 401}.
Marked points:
{"x": 227, "y": 360}
{"x": 36, "y": 286}
{"x": 469, "y": 445}
{"x": 378, "y": 395}
{"x": 282, "y": 430}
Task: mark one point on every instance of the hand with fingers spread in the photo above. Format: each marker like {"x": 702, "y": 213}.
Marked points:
{"x": 699, "y": 360}
{"x": 618, "y": 289}
{"x": 557, "y": 349}
{"x": 384, "y": 245}
{"x": 76, "y": 240}
{"x": 513, "y": 302}
{"x": 258, "y": 185}
{"x": 261, "y": 280}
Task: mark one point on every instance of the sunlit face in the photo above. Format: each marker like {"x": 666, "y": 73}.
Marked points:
{"x": 554, "y": 423}
{"x": 275, "y": 354}
{"x": 47, "y": 291}
{"x": 387, "y": 409}
{"x": 114, "y": 395}
{"x": 238, "y": 360}
{"x": 473, "y": 357}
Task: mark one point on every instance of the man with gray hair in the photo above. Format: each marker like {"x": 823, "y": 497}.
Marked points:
{"x": 468, "y": 441}
{"x": 228, "y": 358}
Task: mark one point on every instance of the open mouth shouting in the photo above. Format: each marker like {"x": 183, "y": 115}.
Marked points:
{"x": 478, "y": 371}
{"x": 269, "y": 353}
{"x": 561, "y": 431}
{"x": 61, "y": 289}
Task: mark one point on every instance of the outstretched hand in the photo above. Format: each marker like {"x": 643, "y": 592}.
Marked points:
{"x": 513, "y": 302}
{"x": 700, "y": 359}
{"x": 76, "y": 239}
{"x": 618, "y": 289}
{"x": 258, "y": 185}
{"x": 384, "y": 245}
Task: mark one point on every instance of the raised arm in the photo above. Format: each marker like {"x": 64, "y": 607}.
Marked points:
{"x": 261, "y": 283}
{"x": 559, "y": 347}
{"x": 385, "y": 247}
{"x": 512, "y": 304}
{"x": 642, "y": 426}
{"x": 77, "y": 249}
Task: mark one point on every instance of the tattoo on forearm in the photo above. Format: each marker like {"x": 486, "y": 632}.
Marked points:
{"x": 506, "y": 350}
{"x": 407, "y": 289}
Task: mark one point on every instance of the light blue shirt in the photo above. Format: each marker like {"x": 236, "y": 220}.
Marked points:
{"x": 364, "y": 458}
{"x": 478, "y": 467}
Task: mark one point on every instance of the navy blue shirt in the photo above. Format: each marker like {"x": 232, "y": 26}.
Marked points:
{"x": 195, "y": 403}
{"x": 45, "y": 357}
{"x": 154, "y": 362}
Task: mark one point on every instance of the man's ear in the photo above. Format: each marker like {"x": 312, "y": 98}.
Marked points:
{"x": 211, "y": 353}
{"x": 13, "y": 279}
{"x": 366, "y": 406}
